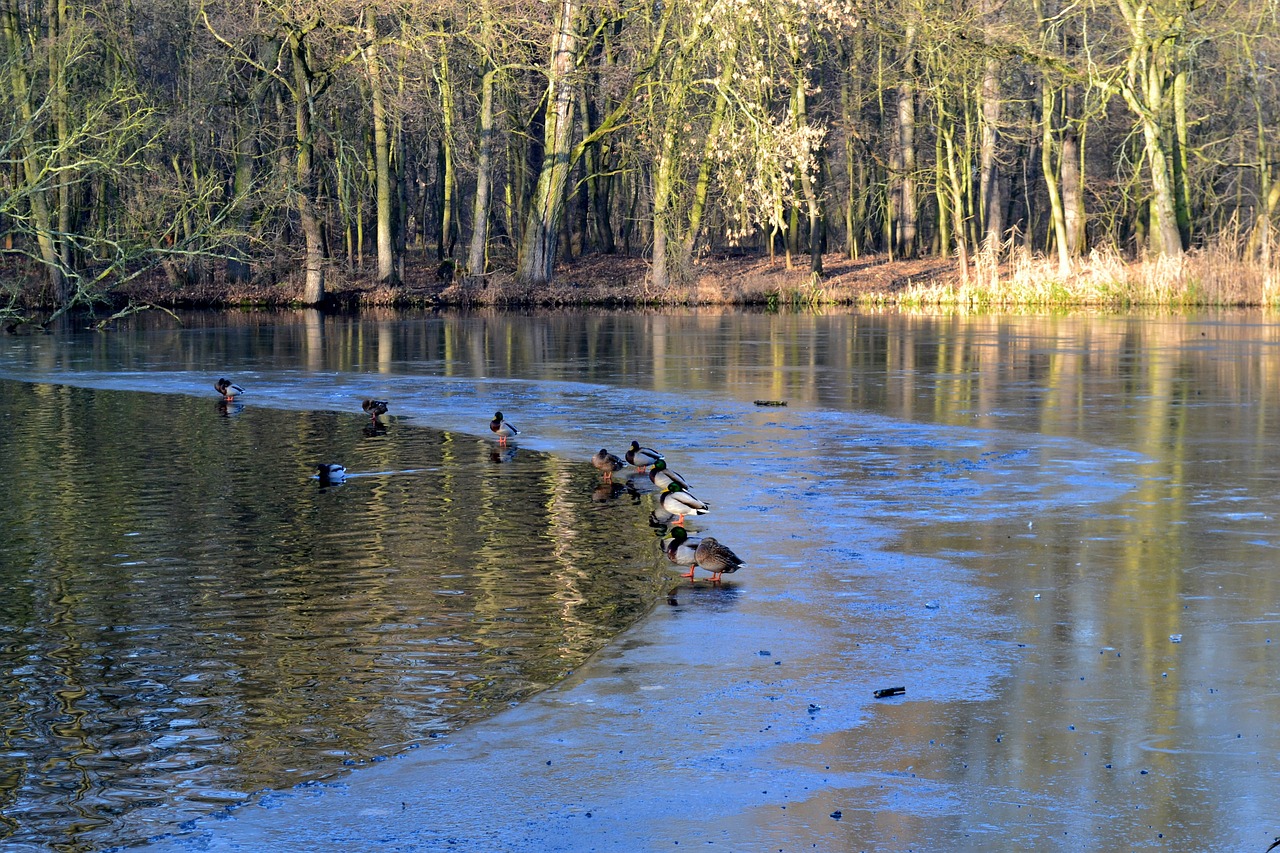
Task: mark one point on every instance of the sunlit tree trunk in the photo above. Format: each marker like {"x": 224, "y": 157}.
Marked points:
{"x": 476, "y": 251}
{"x": 538, "y": 253}
{"x": 448, "y": 178}
{"x": 1145, "y": 90}
{"x": 989, "y": 181}
{"x": 959, "y": 219}
{"x": 1073, "y": 177}
{"x": 384, "y": 212}
{"x": 304, "y": 92}
{"x": 808, "y": 180}
{"x": 1181, "y": 174}
{"x": 908, "y": 210}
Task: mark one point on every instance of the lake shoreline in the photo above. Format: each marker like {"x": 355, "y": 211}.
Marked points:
{"x": 1103, "y": 281}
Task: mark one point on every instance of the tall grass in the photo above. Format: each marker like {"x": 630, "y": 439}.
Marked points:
{"x": 1222, "y": 273}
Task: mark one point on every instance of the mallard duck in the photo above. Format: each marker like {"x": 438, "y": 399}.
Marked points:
{"x": 607, "y": 463}
{"x": 641, "y": 457}
{"x": 680, "y": 503}
{"x": 502, "y": 429}
{"x": 681, "y": 550}
{"x": 330, "y": 473}
{"x": 662, "y": 476}
{"x": 716, "y": 558}
{"x": 373, "y": 408}
{"x": 227, "y": 389}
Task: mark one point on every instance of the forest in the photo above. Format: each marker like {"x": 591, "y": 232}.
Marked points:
{"x": 303, "y": 143}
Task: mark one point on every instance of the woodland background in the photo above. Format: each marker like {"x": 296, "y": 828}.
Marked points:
{"x": 300, "y": 144}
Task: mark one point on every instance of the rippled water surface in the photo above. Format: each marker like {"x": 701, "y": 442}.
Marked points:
{"x": 188, "y": 616}
{"x": 1059, "y": 532}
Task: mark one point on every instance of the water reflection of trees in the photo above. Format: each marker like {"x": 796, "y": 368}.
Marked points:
{"x": 187, "y": 612}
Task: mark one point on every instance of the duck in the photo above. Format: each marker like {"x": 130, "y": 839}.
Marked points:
{"x": 716, "y": 557}
{"x": 374, "y": 408}
{"x": 607, "y": 463}
{"x": 662, "y": 476}
{"x": 681, "y": 550}
{"x": 641, "y": 457}
{"x": 228, "y": 389}
{"x": 680, "y": 503}
{"x": 330, "y": 473}
{"x": 502, "y": 429}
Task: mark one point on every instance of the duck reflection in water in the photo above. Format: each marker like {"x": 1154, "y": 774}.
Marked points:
{"x": 228, "y": 408}
{"x": 374, "y": 429}
{"x": 716, "y": 597}
{"x": 610, "y": 490}
{"x": 501, "y": 453}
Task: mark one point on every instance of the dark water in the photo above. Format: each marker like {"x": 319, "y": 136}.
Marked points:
{"x": 188, "y": 617}
{"x": 1013, "y": 515}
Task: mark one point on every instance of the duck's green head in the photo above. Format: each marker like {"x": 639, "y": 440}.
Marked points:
{"x": 679, "y": 535}
{"x": 635, "y": 445}
{"x": 497, "y": 416}
{"x": 659, "y": 464}
{"x": 673, "y": 487}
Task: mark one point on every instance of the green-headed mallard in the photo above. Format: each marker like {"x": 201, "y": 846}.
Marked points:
{"x": 373, "y": 408}
{"x": 716, "y": 558}
{"x": 227, "y": 389}
{"x": 662, "y": 476}
{"x": 681, "y": 550}
{"x": 641, "y": 457}
{"x": 607, "y": 463}
{"x": 502, "y": 429}
{"x": 680, "y": 503}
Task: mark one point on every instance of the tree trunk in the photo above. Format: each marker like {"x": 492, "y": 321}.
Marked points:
{"x": 800, "y": 104}
{"x": 381, "y": 153}
{"x": 1181, "y": 174}
{"x": 448, "y": 178}
{"x": 484, "y": 168}
{"x": 907, "y": 206}
{"x": 305, "y": 192}
{"x": 538, "y": 252}
{"x": 1144, "y": 90}
{"x": 1072, "y": 170}
{"x": 989, "y": 182}
{"x": 1049, "y": 171}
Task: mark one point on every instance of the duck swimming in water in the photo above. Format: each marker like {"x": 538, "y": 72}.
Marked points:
{"x": 228, "y": 389}
{"x": 330, "y": 473}
{"x": 502, "y": 429}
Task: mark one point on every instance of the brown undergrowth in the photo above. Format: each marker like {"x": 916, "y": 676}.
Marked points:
{"x": 1022, "y": 279}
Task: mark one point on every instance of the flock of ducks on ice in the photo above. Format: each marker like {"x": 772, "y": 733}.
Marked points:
{"x": 675, "y": 500}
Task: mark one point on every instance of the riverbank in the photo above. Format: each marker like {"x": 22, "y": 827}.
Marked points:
{"x": 1211, "y": 277}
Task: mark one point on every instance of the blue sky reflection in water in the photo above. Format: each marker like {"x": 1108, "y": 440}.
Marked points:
{"x": 1010, "y": 515}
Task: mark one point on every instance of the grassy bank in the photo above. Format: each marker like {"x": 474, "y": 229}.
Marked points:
{"x": 1214, "y": 277}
